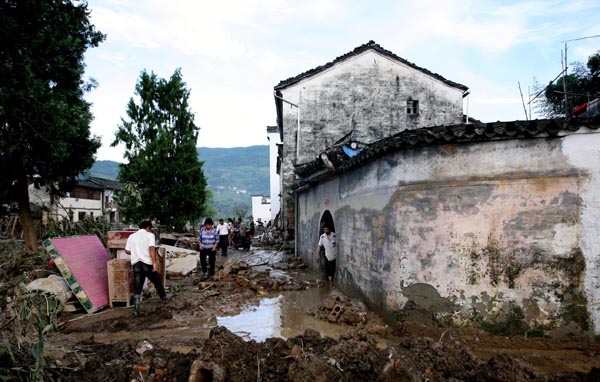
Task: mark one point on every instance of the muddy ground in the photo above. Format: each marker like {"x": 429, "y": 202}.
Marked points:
{"x": 181, "y": 339}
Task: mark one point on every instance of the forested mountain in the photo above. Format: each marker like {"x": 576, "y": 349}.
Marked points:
{"x": 233, "y": 175}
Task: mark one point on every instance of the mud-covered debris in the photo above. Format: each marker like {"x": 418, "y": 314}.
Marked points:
{"x": 280, "y": 266}
{"x": 143, "y": 347}
{"x": 504, "y": 368}
{"x": 54, "y": 285}
{"x": 337, "y": 308}
{"x": 335, "y": 313}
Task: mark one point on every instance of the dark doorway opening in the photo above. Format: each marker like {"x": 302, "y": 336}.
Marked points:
{"x": 326, "y": 220}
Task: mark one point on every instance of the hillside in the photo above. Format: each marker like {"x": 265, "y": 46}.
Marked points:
{"x": 233, "y": 175}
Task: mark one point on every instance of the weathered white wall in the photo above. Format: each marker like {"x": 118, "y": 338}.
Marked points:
{"x": 274, "y": 180}
{"x": 483, "y": 224}
{"x": 583, "y": 151}
{"x": 366, "y": 93}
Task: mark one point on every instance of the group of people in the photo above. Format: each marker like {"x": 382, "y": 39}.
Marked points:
{"x": 141, "y": 246}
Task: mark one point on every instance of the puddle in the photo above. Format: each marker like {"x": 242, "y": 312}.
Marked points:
{"x": 256, "y": 323}
{"x": 283, "y": 316}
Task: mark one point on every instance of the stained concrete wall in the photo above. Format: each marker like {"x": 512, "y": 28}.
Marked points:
{"x": 366, "y": 93}
{"x": 482, "y": 225}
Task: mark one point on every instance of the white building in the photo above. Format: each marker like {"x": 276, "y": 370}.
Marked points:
{"x": 274, "y": 137}
{"x": 261, "y": 208}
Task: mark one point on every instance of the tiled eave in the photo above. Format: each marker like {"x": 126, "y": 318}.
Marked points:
{"x": 358, "y": 50}
{"x": 315, "y": 171}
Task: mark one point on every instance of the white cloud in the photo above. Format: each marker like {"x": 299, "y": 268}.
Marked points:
{"x": 233, "y": 52}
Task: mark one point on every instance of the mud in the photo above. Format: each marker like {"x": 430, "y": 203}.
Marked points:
{"x": 265, "y": 318}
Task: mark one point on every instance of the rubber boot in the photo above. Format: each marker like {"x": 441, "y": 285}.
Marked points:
{"x": 136, "y": 304}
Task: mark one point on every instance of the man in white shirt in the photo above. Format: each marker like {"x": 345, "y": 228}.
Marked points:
{"x": 223, "y": 230}
{"x": 328, "y": 242}
{"x": 141, "y": 246}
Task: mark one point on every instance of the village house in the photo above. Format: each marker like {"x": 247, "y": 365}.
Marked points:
{"x": 90, "y": 198}
{"x": 361, "y": 97}
{"x": 462, "y": 220}
{"x": 261, "y": 208}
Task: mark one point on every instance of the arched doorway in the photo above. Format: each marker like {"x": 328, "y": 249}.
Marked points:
{"x": 326, "y": 220}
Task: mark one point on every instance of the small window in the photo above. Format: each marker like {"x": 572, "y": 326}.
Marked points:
{"x": 412, "y": 107}
{"x": 81, "y": 215}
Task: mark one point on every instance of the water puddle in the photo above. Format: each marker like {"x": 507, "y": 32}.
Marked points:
{"x": 283, "y": 316}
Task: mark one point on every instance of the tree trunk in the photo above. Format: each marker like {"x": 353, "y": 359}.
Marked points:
{"x": 25, "y": 216}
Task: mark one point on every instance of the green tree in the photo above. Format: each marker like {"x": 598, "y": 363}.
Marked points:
{"x": 44, "y": 119}
{"x": 583, "y": 85}
{"x": 166, "y": 179}
{"x": 240, "y": 210}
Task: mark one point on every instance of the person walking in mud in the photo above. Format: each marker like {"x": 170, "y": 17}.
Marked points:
{"x": 251, "y": 227}
{"x": 329, "y": 244}
{"x": 223, "y": 231}
{"x": 209, "y": 240}
{"x": 141, "y": 246}
{"x": 230, "y": 227}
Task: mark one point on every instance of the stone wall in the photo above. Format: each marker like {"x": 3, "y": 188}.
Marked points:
{"x": 485, "y": 225}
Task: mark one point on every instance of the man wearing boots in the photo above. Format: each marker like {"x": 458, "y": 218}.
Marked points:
{"x": 141, "y": 247}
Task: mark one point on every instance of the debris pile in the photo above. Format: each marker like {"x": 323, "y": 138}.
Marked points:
{"x": 308, "y": 357}
{"x": 338, "y": 308}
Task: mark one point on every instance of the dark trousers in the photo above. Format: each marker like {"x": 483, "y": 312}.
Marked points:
{"x": 330, "y": 268}
{"x": 223, "y": 244}
{"x": 211, "y": 259}
{"x": 140, "y": 272}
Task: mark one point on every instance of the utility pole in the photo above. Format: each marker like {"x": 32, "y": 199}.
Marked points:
{"x": 564, "y": 65}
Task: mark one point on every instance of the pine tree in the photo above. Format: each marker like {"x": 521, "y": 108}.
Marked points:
{"x": 165, "y": 180}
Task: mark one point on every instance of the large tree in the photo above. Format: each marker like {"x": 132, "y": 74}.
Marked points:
{"x": 164, "y": 176}
{"x": 44, "y": 119}
{"x": 582, "y": 85}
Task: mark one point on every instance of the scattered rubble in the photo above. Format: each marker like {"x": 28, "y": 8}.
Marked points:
{"x": 180, "y": 340}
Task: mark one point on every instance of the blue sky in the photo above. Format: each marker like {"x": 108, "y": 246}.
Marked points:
{"x": 232, "y": 53}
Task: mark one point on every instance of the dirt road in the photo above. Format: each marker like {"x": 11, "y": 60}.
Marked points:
{"x": 265, "y": 318}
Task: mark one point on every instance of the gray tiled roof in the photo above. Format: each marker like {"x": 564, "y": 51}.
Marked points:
{"x": 439, "y": 135}
{"x": 358, "y": 50}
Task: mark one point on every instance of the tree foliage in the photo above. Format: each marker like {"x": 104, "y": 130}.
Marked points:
{"x": 164, "y": 179}
{"x": 583, "y": 85}
{"x": 44, "y": 119}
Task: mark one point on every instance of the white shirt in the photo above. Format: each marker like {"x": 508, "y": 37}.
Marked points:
{"x": 222, "y": 229}
{"x": 139, "y": 244}
{"x": 330, "y": 246}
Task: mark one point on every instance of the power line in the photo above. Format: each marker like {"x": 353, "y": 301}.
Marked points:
{"x": 581, "y": 38}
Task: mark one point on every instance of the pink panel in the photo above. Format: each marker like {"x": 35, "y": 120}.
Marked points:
{"x": 86, "y": 257}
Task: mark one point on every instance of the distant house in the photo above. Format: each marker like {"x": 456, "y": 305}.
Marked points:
{"x": 90, "y": 198}
{"x": 363, "y": 96}
{"x": 261, "y": 208}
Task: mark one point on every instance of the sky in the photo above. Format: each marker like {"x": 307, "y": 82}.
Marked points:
{"x": 232, "y": 53}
